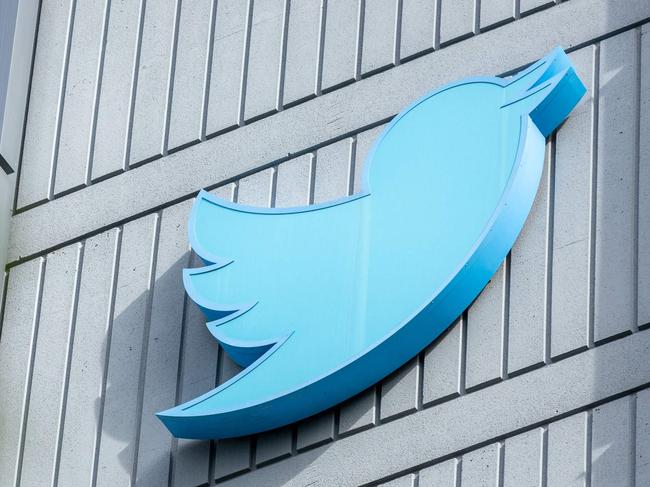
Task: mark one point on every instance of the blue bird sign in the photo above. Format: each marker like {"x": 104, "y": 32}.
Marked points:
{"x": 319, "y": 302}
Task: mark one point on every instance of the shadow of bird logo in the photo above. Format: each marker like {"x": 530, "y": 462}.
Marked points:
{"x": 319, "y": 302}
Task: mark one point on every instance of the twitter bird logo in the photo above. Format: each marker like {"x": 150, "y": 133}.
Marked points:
{"x": 320, "y": 302}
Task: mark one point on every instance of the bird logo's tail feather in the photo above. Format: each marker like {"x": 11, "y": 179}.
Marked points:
{"x": 548, "y": 91}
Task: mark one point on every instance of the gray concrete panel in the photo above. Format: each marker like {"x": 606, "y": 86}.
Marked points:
{"x": 615, "y": 249}
{"x": 41, "y": 443}
{"x": 78, "y": 117}
{"x": 527, "y": 303}
{"x": 572, "y": 209}
{"x": 417, "y": 29}
{"x": 87, "y": 363}
{"x": 523, "y": 460}
{"x": 19, "y": 332}
{"x": 566, "y": 463}
{"x": 340, "y": 43}
{"x": 485, "y": 328}
{"x": 151, "y": 105}
{"x": 43, "y": 114}
{"x": 302, "y": 51}
{"x": 228, "y": 51}
{"x": 496, "y": 11}
{"x": 380, "y": 34}
{"x": 265, "y": 57}
{"x": 399, "y": 391}
{"x": 442, "y": 365}
{"x": 186, "y": 123}
{"x": 121, "y": 400}
{"x": 456, "y": 19}
{"x": 115, "y": 98}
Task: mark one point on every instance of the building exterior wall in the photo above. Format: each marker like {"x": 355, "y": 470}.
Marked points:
{"x": 134, "y": 106}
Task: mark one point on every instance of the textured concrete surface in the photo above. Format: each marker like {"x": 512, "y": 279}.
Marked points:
{"x": 135, "y": 106}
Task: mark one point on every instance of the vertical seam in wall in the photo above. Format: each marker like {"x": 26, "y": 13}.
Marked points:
{"x": 501, "y": 451}
{"x": 352, "y": 164}
{"x": 336, "y": 423}
{"x": 61, "y": 102}
{"x": 516, "y": 9}
{"x": 588, "y": 445}
{"x": 637, "y": 183}
{"x": 134, "y": 86}
{"x": 398, "y": 33}
{"x": 96, "y": 97}
{"x": 312, "y": 177}
{"x": 376, "y": 417}
{"x": 244, "y": 65}
{"x": 26, "y": 112}
{"x": 462, "y": 359}
{"x": 359, "y": 46}
{"x": 180, "y": 371}
{"x": 437, "y": 6}
{"x": 505, "y": 313}
{"x": 164, "y": 150}
{"x": 212, "y": 460}
{"x": 207, "y": 76}
{"x": 279, "y": 99}
{"x": 273, "y": 186}
{"x": 252, "y": 453}
{"x": 109, "y": 336}
{"x": 593, "y": 197}
{"x": 419, "y": 385}
{"x": 30, "y": 370}
{"x": 294, "y": 439}
{"x": 235, "y": 192}
{"x": 318, "y": 88}
{"x": 68, "y": 362}
{"x": 212, "y": 463}
{"x": 633, "y": 433}
{"x": 145, "y": 344}
{"x": 3, "y": 304}
{"x": 548, "y": 268}
{"x": 543, "y": 458}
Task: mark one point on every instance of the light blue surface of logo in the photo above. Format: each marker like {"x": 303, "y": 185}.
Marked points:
{"x": 320, "y": 302}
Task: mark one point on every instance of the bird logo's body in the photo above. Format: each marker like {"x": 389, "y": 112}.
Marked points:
{"x": 320, "y": 302}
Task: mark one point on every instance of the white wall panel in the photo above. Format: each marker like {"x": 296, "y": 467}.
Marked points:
{"x": 228, "y": 51}
{"x": 150, "y": 109}
{"x": 115, "y": 98}
{"x": 78, "y": 117}
{"x": 186, "y": 122}
{"x": 47, "y": 83}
